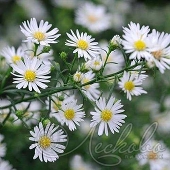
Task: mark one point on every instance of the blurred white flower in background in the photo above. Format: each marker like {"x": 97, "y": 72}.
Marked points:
{"x": 4, "y": 165}
{"x": 2, "y": 147}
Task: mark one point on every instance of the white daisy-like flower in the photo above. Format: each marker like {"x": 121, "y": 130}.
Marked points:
{"x": 115, "y": 60}
{"x": 77, "y": 77}
{"x": 160, "y": 49}
{"x": 4, "y": 165}
{"x": 71, "y": 113}
{"x": 29, "y": 48}
{"x": 47, "y": 142}
{"x": 4, "y": 112}
{"x": 12, "y": 55}
{"x": 91, "y": 90}
{"x": 154, "y": 153}
{"x": 39, "y": 34}
{"x": 130, "y": 84}
{"x": 31, "y": 73}
{"x": 2, "y": 147}
{"x": 135, "y": 41}
{"x": 96, "y": 21}
{"x": 94, "y": 64}
{"x": 107, "y": 114}
{"x": 116, "y": 40}
{"x": 85, "y": 45}
{"x": 30, "y": 112}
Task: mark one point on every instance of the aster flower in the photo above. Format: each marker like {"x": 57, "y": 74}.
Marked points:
{"x": 47, "y": 142}
{"x": 71, "y": 113}
{"x": 4, "y": 165}
{"x": 107, "y": 114}
{"x": 29, "y": 48}
{"x": 96, "y": 21}
{"x": 77, "y": 77}
{"x": 160, "y": 49}
{"x": 12, "y": 55}
{"x": 2, "y": 147}
{"x": 91, "y": 90}
{"x": 135, "y": 41}
{"x": 4, "y": 112}
{"x": 154, "y": 153}
{"x": 130, "y": 84}
{"x": 39, "y": 34}
{"x": 85, "y": 45}
{"x": 31, "y": 73}
{"x": 94, "y": 64}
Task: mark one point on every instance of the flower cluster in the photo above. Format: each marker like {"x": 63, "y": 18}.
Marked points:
{"x": 120, "y": 64}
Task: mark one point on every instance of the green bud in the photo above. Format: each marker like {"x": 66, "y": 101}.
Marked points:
{"x": 63, "y": 55}
{"x": 46, "y": 121}
{"x": 46, "y": 49}
{"x": 61, "y": 98}
{"x": 19, "y": 113}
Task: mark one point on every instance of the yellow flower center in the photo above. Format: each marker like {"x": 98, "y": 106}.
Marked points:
{"x": 96, "y": 63}
{"x": 152, "y": 155}
{"x": 106, "y": 115}
{"x": 157, "y": 54}
{"x": 129, "y": 85}
{"x": 82, "y": 44}
{"x": 139, "y": 45}
{"x": 69, "y": 114}
{"x": 44, "y": 142}
{"x": 40, "y": 36}
{"x": 92, "y": 18}
{"x": 86, "y": 80}
{"x": 16, "y": 58}
{"x": 30, "y": 75}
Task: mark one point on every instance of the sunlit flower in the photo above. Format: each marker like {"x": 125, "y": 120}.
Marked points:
{"x": 2, "y": 147}
{"x": 31, "y": 73}
{"x": 12, "y": 55}
{"x": 160, "y": 49}
{"x": 4, "y": 165}
{"x": 135, "y": 41}
{"x": 85, "y": 45}
{"x": 47, "y": 142}
{"x": 39, "y": 34}
{"x": 96, "y": 21}
{"x": 71, "y": 113}
{"x": 130, "y": 84}
{"x": 90, "y": 90}
{"x": 107, "y": 115}
{"x": 154, "y": 153}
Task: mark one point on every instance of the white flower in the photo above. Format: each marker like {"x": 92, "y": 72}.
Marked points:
{"x": 160, "y": 49}
{"x": 90, "y": 90}
{"x": 130, "y": 84}
{"x": 12, "y": 55}
{"x": 154, "y": 153}
{"x": 85, "y": 47}
{"x": 77, "y": 163}
{"x": 29, "y": 52}
{"x": 31, "y": 73}
{"x": 39, "y": 34}
{"x": 77, "y": 77}
{"x": 4, "y": 165}
{"x": 94, "y": 21}
{"x": 4, "y": 112}
{"x": 30, "y": 112}
{"x": 107, "y": 114}
{"x": 2, "y": 147}
{"x": 94, "y": 64}
{"x": 47, "y": 141}
{"x": 135, "y": 41}
{"x": 115, "y": 60}
{"x": 71, "y": 113}
{"x": 116, "y": 40}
